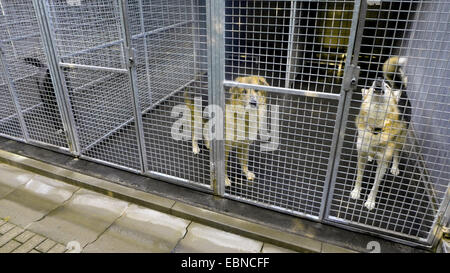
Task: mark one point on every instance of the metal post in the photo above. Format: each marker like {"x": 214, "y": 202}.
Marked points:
{"x": 358, "y": 18}
{"x": 131, "y": 66}
{"x": 216, "y": 76}
{"x": 13, "y": 92}
{"x": 147, "y": 60}
{"x": 58, "y": 78}
{"x": 293, "y": 14}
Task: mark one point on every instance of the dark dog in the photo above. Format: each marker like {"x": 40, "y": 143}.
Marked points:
{"x": 47, "y": 93}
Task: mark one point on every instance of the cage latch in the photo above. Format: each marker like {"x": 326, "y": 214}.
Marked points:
{"x": 130, "y": 56}
{"x": 350, "y": 77}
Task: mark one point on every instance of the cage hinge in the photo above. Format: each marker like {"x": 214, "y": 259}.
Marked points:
{"x": 350, "y": 77}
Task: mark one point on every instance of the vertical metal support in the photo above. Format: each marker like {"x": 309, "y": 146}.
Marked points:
{"x": 13, "y": 92}
{"x": 131, "y": 67}
{"x": 147, "y": 61}
{"x": 293, "y": 15}
{"x": 441, "y": 220}
{"x": 216, "y": 76}
{"x": 58, "y": 78}
{"x": 350, "y": 72}
{"x": 194, "y": 34}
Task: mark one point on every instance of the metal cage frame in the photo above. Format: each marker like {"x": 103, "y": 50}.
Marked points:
{"x": 119, "y": 68}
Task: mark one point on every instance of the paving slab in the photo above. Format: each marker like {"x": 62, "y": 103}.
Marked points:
{"x": 141, "y": 230}
{"x": 5, "y": 238}
{"x": 9, "y": 247}
{"x": 34, "y": 199}
{"x": 269, "y": 248}
{"x": 82, "y": 218}
{"x": 204, "y": 239}
{"x": 11, "y": 178}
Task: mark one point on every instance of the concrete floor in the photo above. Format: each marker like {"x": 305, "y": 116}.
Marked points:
{"x": 62, "y": 215}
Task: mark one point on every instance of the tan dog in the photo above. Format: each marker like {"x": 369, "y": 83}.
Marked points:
{"x": 244, "y": 110}
{"x": 382, "y": 125}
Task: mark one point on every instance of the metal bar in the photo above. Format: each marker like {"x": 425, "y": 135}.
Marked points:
{"x": 58, "y": 78}
{"x": 179, "y": 181}
{"x": 88, "y": 50}
{"x": 366, "y": 229}
{"x": 272, "y": 207}
{"x": 123, "y": 7}
{"x": 441, "y": 219}
{"x": 17, "y": 38}
{"x": 107, "y": 163}
{"x": 151, "y": 107}
{"x": 93, "y": 67}
{"x": 292, "y": 15}
{"x": 120, "y": 41}
{"x": 216, "y": 93}
{"x": 147, "y": 61}
{"x": 23, "y": 112}
{"x": 158, "y": 30}
{"x": 306, "y": 93}
{"x": 12, "y": 137}
{"x": 360, "y": 7}
{"x": 13, "y": 93}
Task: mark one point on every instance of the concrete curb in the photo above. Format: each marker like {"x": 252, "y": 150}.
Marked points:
{"x": 201, "y": 215}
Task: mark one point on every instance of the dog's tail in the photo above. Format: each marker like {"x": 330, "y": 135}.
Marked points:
{"x": 393, "y": 70}
{"x": 34, "y": 61}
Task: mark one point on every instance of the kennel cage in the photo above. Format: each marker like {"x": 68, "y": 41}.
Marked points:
{"x": 121, "y": 70}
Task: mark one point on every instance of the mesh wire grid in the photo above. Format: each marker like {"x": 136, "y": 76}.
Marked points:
{"x": 9, "y": 120}
{"x": 88, "y": 37}
{"x": 20, "y": 39}
{"x": 300, "y": 46}
{"x": 406, "y": 204}
{"x": 295, "y": 44}
{"x": 172, "y": 65}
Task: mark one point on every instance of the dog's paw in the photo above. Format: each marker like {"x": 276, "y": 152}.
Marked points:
{"x": 370, "y": 203}
{"x": 250, "y": 176}
{"x": 395, "y": 171}
{"x": 356, "y": 193}
{"x": 195, "y": 149}
{"x": 227, "y": 182}
{"x": 369, "y": 158}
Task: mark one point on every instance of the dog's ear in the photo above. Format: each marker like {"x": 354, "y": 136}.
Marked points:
{"x": 262, "y": 81}
{"x": 234, "y": 91}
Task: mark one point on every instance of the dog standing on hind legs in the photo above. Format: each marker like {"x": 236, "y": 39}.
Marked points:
{"x": 382, "y": 125}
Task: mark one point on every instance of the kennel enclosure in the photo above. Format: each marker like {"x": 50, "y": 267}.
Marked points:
{"x": 121, "y": 70}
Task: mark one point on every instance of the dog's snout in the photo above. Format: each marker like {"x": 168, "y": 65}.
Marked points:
{"x": 253, "y": 102}
{"x": 378, "y": 91}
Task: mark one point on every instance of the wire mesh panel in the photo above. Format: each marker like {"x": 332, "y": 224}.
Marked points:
{"x": 9, "y": 120}
{"x": 171, "y": 60}
{"x": 295, "y": 50}
{"x": 88, "y": 39}
{"x": 398, "y": 133}
{"x": 25, "y": 67}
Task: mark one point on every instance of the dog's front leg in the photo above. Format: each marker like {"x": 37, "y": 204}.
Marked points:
{"x": 227, "y": 152}
{"x": 362, "y": 160}
{"x": 381, "y": 170}
{"x": 243, "y": 158}
{"x": 395, "y": 170}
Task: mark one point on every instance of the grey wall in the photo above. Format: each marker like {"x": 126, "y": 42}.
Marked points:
{"x": 428, "y": 72}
